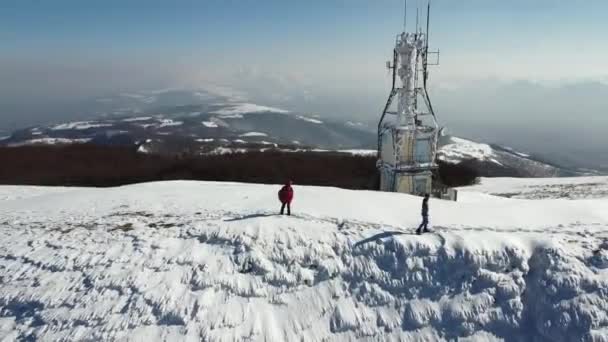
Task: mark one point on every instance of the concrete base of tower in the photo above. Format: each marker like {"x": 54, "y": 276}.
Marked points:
{"x": 414, "y": 183}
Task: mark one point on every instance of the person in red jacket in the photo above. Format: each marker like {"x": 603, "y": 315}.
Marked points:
{"x": 286, "y": 196}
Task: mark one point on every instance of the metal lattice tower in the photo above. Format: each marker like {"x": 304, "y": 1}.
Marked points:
{"x": 407, "y": 135}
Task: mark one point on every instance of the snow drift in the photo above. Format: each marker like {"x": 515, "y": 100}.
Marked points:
{"x": 211, "y": 261}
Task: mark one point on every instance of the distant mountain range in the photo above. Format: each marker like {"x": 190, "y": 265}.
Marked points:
{"x": 500, "y": 161}
{"x": 211, "y": 122}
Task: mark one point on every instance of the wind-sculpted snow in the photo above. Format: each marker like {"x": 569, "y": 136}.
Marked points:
{"x": 212, "y": 262}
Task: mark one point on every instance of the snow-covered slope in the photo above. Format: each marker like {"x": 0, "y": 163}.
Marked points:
{"x": 496, "y": 161}
{"x": 541, "y": 188}
{"x": 457, "y": 149}
{"x": 211, "y": 261}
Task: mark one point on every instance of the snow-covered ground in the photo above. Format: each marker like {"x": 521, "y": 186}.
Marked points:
{"x": 213, "y": 262}
{"x": 540, "y": 188}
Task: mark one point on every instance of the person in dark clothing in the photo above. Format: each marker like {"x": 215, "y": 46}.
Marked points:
{"x": 286, "y": 196}
{"x": 425, "y": 216}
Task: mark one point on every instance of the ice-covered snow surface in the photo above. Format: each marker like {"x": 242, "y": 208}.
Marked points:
{"x": 213, "y": 262}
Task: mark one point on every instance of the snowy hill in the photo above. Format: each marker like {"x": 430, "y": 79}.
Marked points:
{"x": 497, "y": 161}
{"x": 211, "y": 261}
{"x": 540, "y": 188}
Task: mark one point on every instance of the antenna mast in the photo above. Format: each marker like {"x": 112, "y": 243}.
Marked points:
{"x": 426, "y": 47}
{"x": 404, "y": 15}
{"x": 428, "y": 16}
{"x": 417, "y": 15}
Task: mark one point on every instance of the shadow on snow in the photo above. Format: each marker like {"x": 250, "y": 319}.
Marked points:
{"x": 380, "y": 236}
{"x": 247, "y": 217}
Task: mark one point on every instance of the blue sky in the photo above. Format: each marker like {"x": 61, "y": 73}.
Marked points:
{"x": 307, "y": 37}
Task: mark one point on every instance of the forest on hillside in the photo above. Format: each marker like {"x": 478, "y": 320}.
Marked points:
{"x": 104, "y": 166}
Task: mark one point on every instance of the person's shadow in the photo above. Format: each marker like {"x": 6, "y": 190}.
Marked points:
{"x": 379, "y": 236}
{"x": 251, "y": 216}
